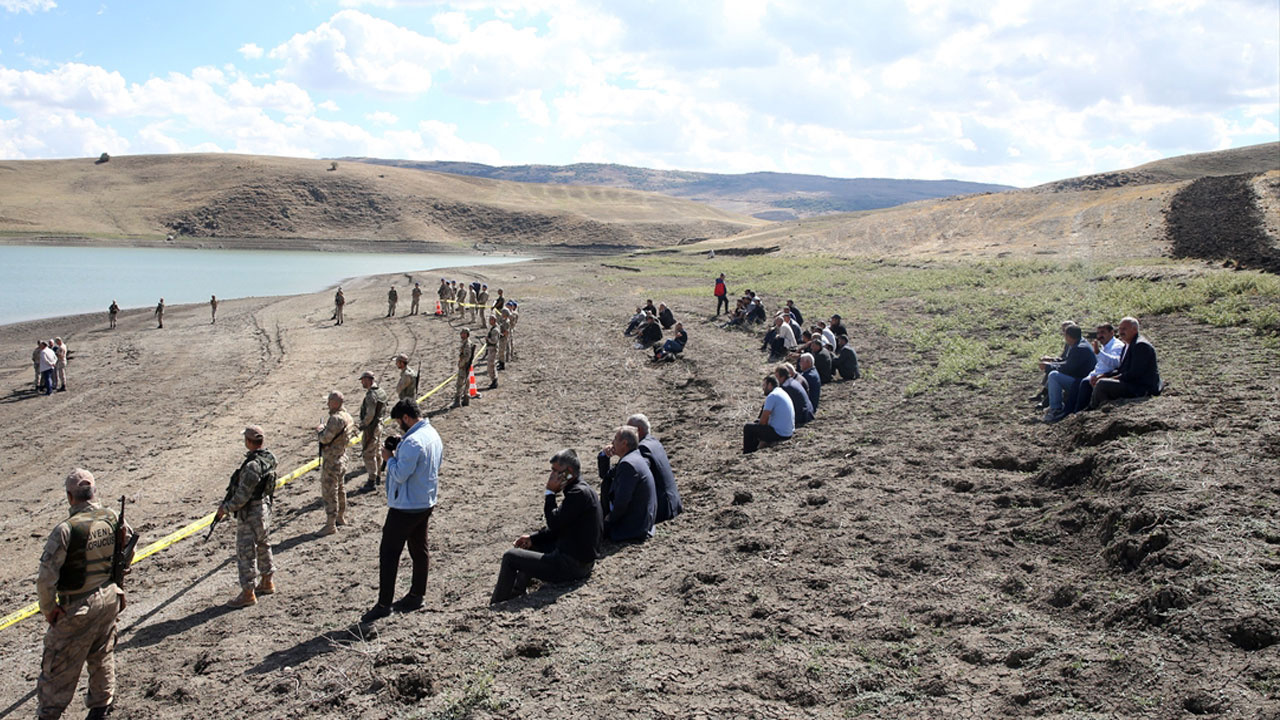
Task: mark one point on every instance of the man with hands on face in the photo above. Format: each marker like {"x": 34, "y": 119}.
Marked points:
{"x": 628, "y": 492}
{"x": 567, "y": 548}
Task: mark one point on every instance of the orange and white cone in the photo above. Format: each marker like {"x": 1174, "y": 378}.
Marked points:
{"x": 472, "y": 391}
{"x": 438, "y": 311}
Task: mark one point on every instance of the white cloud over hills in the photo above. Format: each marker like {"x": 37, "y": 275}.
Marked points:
{"x": 1008, "y": 91}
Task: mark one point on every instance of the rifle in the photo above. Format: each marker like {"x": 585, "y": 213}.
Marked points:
{"x": 122, "y": 555}
{"x": 231, "y": 490}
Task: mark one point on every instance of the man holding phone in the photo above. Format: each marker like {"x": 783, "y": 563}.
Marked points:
{"x": 567, "y": 548}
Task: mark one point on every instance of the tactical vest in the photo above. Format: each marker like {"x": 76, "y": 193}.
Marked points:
{"x": 267, "y": 476}
{"x": 89, "y": 551}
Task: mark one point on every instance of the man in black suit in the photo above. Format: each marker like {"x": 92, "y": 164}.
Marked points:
{"x": 627, "y": 493}
{"x": 1138, "y": 374}
{"x": 567, "y": 548}
{"x": 669, "y": 503}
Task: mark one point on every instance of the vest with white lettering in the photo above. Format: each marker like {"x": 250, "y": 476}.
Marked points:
{"x": 89, "y": 551}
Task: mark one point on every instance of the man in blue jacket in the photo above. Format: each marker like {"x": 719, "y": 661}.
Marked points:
{"x": 412, "y": 471}
{"x": 664, "y": 480}
{"x": 567, "y": 548}
{"x": 1064, "y": 375}
{"x": 628, "y": 494}
{"x": 1138, "y": 374}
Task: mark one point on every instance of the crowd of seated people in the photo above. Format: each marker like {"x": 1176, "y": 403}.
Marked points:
{"x": 647, "y": 326}
{"x": 792, "y": 396}
{"x": 636, "y": 493}
{"x": 674, "y": 345}
{"x": 1117, "y": 363}
{"x": 749, "y": 310}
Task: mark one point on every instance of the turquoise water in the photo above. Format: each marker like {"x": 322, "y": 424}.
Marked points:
{"x": 42, "y": 281}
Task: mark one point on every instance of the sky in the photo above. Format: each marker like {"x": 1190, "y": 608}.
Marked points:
{"x": 1005, "y": 91}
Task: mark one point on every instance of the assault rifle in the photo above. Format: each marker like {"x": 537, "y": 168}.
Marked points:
{"x": 231, "y": 490}
{"x": 122, "y": 555}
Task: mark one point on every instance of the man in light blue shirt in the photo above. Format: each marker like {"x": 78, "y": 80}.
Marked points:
{"x": 1109, "y": 348}
{"x": 777, "y": 420}
{"x": 412, "y": 469}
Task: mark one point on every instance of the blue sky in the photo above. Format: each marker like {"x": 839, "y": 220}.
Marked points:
{"x": 1008, "y": 91}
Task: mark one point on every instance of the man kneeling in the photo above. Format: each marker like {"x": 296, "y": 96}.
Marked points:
{"x": 566, "y": 549}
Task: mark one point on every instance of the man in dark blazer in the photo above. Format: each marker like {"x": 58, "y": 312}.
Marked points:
{"x": 669, "y": 503}
{"x": 1138, "y": 374}
{"x": 627, "y": 493}
{"x": 1064, "y": 375}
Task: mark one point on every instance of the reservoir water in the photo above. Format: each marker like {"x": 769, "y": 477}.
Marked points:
{"x": 46, "y": 281}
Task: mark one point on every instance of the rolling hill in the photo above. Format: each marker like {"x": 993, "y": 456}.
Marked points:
{"x": 764, "y": 195}
{"x": 241, "y": 198}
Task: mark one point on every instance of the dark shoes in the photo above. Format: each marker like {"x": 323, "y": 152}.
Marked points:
{"x": 377, "y": 612}
{"x": 502, "y": 366}
{"x": 408, "y": 603}
{"x": 492, "y": 385}
{"x": 99, "y": 713}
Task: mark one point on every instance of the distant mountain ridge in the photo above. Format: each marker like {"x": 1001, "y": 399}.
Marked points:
{"x": 765, "y": 195}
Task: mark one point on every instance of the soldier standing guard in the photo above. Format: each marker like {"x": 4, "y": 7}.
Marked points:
{"x": 482, "y": 302}
{"x": 491, "y": 340}
{"x": 338, "y": 301}
{"x": 334, "y": 436}
{"x": 213, "y": 309}
{"x": 159, "y": 313}
{"x": 392, "y": 298}
{"x": 112, "y": 312}
{"x": 417, "y": 297}
{"x": 511, "y": 331}
{"x": 407, "y": 385}
{"x": 372, "y": 410}
{"x": 466, "y": 353}
{"x": 443, "y": 294}
{"x": 80, "y": 601}
{"x": 504, "y": 338}
{"x": 249, "y": 498}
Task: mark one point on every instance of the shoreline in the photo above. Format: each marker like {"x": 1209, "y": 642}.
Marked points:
{"x": 350, "y": 245}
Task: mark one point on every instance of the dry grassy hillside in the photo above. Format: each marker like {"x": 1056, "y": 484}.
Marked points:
{"x": 240, "y": 196}
{"x": 1121, "y": 214}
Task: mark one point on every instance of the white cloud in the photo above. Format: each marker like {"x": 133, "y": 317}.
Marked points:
{"x": 251, "y": 51}
{"x": 354, "y": 51}
{"x": 329, "y": 105}
{"x": 382, "y": 118}
{"x": 28, "y": 6}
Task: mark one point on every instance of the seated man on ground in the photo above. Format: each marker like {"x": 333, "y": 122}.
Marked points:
{"x": 1107, "y": 348}
{"x": 1042, "y": 398}
{"x": 567, "y": 548}
{"x": 635, "y": 322}
{"x": 795, "y": 314}
{"x": 823, "y": 359}
{"x": 836, "y": 326}
{"x": 627, "y": 491}
{"x": 1138, "y": 375}
{"x": 781, "y": 339}
{"x": 1064, "y": 376}
{"x": 786, "y": 374}
{"x": 669, "y": 503}
{"x": 813, "y": 382}
{"x": 755, "y": 310}
{"x": 650, "y": 332}
{"x": 777, "y": 419}
{"x": 673, "y": 346}
{"x": 846, "y": 360}
{"x": 665, "y": 316}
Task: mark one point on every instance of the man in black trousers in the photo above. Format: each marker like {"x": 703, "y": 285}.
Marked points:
{"x": 567, "y": 548}
{"x": 1138, "y": 374}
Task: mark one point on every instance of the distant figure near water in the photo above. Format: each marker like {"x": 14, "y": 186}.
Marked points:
{"x": 159, "y": 313}
{"x": 339, "y": 300}
{"x": 213, "y": 309}
{"x": 112, "y": 312}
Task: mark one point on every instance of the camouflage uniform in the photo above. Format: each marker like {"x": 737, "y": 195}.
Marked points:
{"x": 60, "y": 367}
{"x": 491, "y": 340}
{"x": 111, "y": 314}
{"x": 333, "y": 439}
{"x": 511, "y": 335}
{"x": 482, "y": 304}
{"x": 250, "y": 503}
{"x": 372, "y": 410}
{"x": 159, "y": 313}
{"x": 75, "y": 573}
{"x": 392, "y": 299}
{"x": 466, "y": 352}
{"x": 443, "y": 294}
{"x": 504, "y": 340}
{"x": 35, "y": 365}
{"x": 417, "y": 298}
{"x": 407, "y": 385}
{"x": 339, "y": 301}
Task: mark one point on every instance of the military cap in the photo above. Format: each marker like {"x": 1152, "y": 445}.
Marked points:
{"x": 79, "y": 478}
{"x": 366, "y": 374}
{"x": 335, "y": 395}
{"x": 402, "y": 358}
{"x": 253, "y": 432}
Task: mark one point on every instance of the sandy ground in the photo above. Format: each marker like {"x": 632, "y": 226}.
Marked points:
{"x": 939, "y": 556}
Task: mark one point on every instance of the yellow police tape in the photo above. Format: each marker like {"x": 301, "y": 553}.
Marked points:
{"x": 18, "y": 616}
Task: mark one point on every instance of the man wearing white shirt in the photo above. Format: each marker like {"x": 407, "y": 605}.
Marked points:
{"x": 1109, "y": 348}
{"x": 46, "y": 364}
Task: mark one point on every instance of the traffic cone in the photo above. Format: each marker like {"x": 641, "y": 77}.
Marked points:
{"x": 472, "y": 391}
{"x": 438, "y": 311}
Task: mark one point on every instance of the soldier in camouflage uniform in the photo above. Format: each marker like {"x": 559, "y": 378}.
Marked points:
{"x": 159, "y": 313}
{"x": 407, "y": 385}
{"x": 249, "y": 496}
{"x": 504, "y": 338}
{"x": 491, "y": 339}
{"x": 416, "y": 299}
{"x": 333, "y": 437}
{"x": 393, "y": 297}
{"x": 482, "y": 302}
{"x": 466, "y": 352}
{"x": 372, "y": 411}
{"x": 511, "y": 331}
{"x": 80, "y": 602}
{"x": 443, "y": 294}
{"x": 339, "y": 302}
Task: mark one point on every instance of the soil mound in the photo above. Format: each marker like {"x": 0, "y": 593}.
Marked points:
{"x": 1219, "y": 218}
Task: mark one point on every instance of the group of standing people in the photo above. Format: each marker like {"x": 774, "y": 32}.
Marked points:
{"x": 49, "y": 360}
{"x": 157, "y": 314}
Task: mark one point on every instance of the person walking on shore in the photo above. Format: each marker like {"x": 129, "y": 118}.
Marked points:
{"x": 413, "y": 470}
{"x": 80, "y": 601}
{"x": 416, "y": 298}
{"x": 249, "y": 498}
{"x": 466, "y": 353}
{"x": 159, "y": 314}
{"x": 372, "y": 410}
{"x": 213, "y": 309}
{"x": 393, "y": 297}
{"x": 60, "y": 366}
{"x": 339, "y": 300}
{"x": 112, "y": 312}
{"x": 334, "y": 436}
